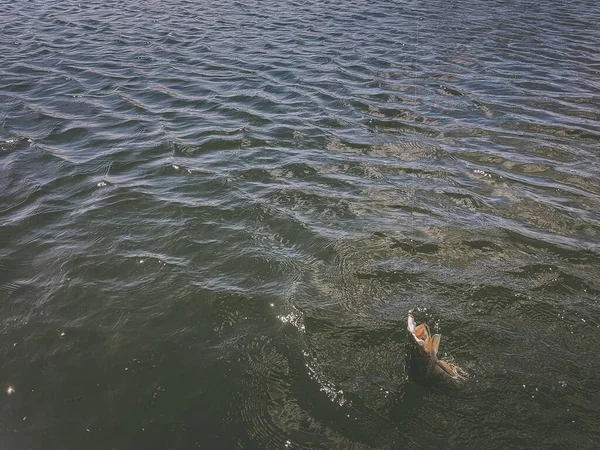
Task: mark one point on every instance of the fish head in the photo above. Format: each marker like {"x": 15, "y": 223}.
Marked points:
{"x": 421, "y": 336}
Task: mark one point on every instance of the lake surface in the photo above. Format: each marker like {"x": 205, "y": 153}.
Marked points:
{"x": 215, "y": 216}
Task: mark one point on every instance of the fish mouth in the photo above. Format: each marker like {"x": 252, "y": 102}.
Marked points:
{"x": 418, "y": 334}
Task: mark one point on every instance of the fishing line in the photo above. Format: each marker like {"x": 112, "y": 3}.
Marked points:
{"x": 414, "y": 191}
{"x": 411, "y": 192}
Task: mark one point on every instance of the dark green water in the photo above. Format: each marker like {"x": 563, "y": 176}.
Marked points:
{"x": 214, "y": 217}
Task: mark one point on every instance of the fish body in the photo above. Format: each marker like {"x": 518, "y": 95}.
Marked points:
{"x": 422, "y": 362}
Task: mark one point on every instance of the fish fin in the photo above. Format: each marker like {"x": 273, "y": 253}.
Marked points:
{"x": 448, "y": 368}
{"x": 433, "y": 370}
{"x": 435, "y": 342}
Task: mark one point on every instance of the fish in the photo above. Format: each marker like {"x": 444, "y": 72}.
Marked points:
{"x": 422, "y": 362}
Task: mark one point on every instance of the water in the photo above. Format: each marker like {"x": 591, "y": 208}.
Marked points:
{"x": 215, "y": 217}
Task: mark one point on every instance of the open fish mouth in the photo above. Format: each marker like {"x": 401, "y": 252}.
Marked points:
{"x": 418, "y": 334}
{"x": 422, "y": 361}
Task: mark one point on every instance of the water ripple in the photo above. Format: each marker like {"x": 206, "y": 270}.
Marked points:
{"x": 213, "y": 221}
